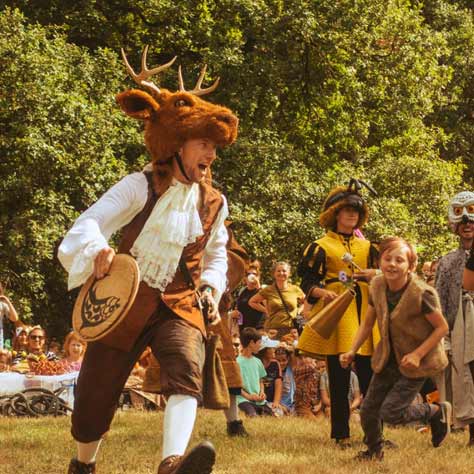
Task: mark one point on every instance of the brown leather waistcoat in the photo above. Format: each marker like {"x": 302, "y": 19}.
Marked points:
{"x": 179, "y": 295}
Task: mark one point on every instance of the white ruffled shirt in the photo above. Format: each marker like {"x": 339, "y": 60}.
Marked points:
{"x": 173, "y": 223}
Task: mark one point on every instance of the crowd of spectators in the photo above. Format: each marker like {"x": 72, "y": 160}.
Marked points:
{"x": 30, "y": 352}
{"x": 277, "y": 380}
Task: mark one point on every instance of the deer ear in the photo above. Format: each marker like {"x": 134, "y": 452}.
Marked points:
{"x": 137, "y": 104}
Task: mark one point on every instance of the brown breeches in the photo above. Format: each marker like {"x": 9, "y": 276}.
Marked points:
{"x": 179, "y": 348}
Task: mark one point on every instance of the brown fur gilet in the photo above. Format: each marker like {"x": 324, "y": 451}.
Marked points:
{"x": 406, "y": 327}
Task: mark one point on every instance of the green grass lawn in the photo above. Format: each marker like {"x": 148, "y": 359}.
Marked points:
{"x": 276, "y": 446}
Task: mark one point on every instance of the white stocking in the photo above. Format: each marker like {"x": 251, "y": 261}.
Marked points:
{"x": 180, "y": 414}
{"x": 86, "y": 452}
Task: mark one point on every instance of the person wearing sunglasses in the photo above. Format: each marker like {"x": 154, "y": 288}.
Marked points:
{"x": 35, "y": 351}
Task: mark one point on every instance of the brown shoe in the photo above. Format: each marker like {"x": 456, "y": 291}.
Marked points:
{"x": 200, "y": 460}
{"x": 77, "y": 467}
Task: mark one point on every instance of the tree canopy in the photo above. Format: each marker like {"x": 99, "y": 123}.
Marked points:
{"x": 374, "y": 89}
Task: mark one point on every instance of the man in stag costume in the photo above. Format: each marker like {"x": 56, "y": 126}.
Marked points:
{"x": 172, "y": 222}
{"x": 323, "y": 271}
{"x": 457, "y": 383}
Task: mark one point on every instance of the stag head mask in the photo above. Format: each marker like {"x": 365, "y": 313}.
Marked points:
{"x": 171, "y": 118}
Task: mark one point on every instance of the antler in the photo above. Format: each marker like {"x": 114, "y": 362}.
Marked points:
{"x": 145, "y": 73}
{"x": 197, "y": 88}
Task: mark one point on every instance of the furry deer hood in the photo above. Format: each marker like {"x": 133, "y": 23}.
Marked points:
{"x": 171, "y": 118}
{"x": 345, "y": 196}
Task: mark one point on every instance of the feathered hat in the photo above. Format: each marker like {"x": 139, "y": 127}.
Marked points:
{"x": 345, "y": 196}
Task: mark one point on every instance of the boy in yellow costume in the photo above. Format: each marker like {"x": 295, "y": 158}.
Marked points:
{"x": 324, "y": 272}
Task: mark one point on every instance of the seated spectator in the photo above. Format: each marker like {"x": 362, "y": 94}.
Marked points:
{"x": 272, "y": 334}
{"x": 20, "y": 340}
{"x": 5, "y": 360}
{"x": 307, "y": 377}
{"x": 272, "y": 382}
{"x": 7, "y": 311}
{"x": 288, "y": 341}
{"x": 236, "y": 344}
{"x": 74, "y": 349}
{"x": 34, "y": 351}
{"x": 55, "y": 347}
{"x": 354, "y": 396}
{"x": 284, "y": 357}
{"x": 294, "y": 332}
{"x": 252, "y": 398}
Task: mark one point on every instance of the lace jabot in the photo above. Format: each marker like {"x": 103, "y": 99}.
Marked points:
{"x": 173, "y": 223}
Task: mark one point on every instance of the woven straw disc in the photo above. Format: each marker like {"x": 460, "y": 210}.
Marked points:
{"x": 103, "y": 304}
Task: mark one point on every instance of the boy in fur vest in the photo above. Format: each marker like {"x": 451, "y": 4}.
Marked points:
{"x": 411, "y": 326}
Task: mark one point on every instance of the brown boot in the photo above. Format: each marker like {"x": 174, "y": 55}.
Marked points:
{"x": 77, "y": 467}
{"x": 199, "y": 460}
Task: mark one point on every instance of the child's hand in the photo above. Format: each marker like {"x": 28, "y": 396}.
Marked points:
{"x": 411, "y": 361}
{"x": 346, "y": 359}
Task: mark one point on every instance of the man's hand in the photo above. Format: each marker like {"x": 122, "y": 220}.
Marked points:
{"x": 102, "y": 262}
{"x": 207, "y": 299}
{"x": 410, "y": 361}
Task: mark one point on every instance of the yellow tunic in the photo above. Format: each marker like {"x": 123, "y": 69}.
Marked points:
{"x": 335, "y": 246}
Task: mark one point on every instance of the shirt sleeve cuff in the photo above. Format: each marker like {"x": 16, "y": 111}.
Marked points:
{"x": 83, "y": 263}
{"x": 217, "y": 285}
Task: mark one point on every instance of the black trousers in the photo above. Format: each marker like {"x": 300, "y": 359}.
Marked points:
{"x": 339, "y": 382}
